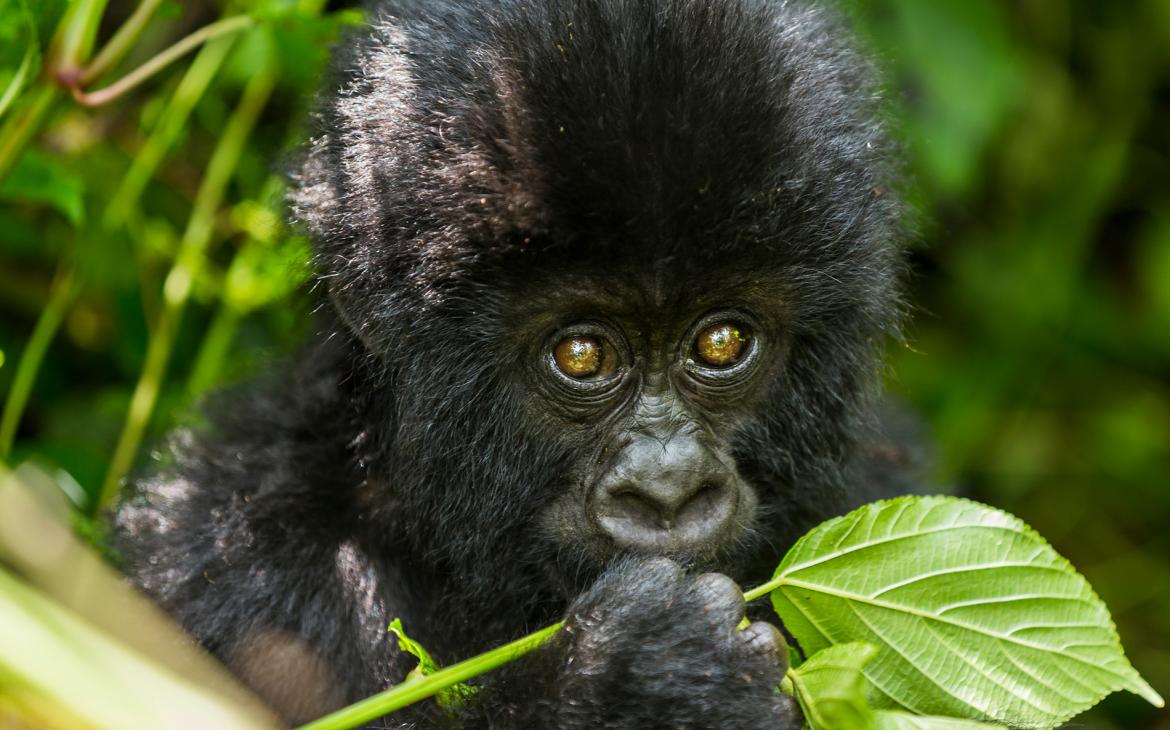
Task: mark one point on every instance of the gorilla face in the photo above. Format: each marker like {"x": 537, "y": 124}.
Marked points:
{"x": 611, "y": 303}
{"x": 654, "y": 392}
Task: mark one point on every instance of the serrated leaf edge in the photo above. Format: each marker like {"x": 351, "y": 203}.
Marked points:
{"x": 1133, "y": 681}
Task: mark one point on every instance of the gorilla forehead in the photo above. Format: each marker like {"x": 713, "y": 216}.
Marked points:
{"x": 465, "y": 130}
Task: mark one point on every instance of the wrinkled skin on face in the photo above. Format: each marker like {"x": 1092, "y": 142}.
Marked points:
{"x": 605, "y": 285}
{"x": 655, "y": 468}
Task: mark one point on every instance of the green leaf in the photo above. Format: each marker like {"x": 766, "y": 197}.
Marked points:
{"x": 263, "y": 273}
{"x": 14, "y": 82}
{"x": 831, "y": 688}
{"x": 448, "y": 698}
{"x": 426, "y": 665}
{"x": 894, "y": 720}
{"x": 38, "y": 178}
{"x": 975, "y": 615}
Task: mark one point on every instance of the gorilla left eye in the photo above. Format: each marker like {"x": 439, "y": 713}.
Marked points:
{"x": 722, "y": 344}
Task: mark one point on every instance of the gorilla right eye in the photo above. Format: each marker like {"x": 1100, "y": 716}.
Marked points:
{"x": 582, "y": 357}
{"x": 723, "y": 344}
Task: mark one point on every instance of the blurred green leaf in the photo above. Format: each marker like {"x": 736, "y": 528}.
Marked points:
{"x": 961, "y": 73}
{"x": 38, "y": 178}
{"x": 60, "y": 670}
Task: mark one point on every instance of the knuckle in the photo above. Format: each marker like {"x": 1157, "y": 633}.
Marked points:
{"x": 719, "y": 595}
{"x": 764, "y": 639}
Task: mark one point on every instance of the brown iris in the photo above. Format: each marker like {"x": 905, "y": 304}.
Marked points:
{"x": 722, "y": 345}
{"x": 581, "y": 357}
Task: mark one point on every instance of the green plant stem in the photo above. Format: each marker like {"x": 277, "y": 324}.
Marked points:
{"x": 214, "y": 350}
{"x": 762, "y": 590}
{"x": 60, "y": 297}
{"x": 189, "y": 263}
{"x": 401, "y": 695}
{"x": 20, "y": 128}
{"x": 406, "y": 693}
{"x": 16, "y": 83}
{"x": 161, "y": 61}
{"x": 122, "y": 41}
{"x": 170, "y": 124}
{"x": 74, "y": 40}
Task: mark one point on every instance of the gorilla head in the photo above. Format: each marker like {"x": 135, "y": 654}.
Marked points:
{"x": 621, "y": 269}
{"x": 606, "y": 279}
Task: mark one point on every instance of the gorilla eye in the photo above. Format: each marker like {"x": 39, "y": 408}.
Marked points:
{"x": 584, "y": 358}
{"x": 722, "y": 344}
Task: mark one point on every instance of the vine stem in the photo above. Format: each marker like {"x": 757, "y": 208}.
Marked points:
{"x": 122, "y": 41}
{"x": 74, "y": 39}
{"x": 410, "y": 691}
{"x": 161, "y": 61}
{"x": 401, "y": 695}
{"x": 60, "y": 297}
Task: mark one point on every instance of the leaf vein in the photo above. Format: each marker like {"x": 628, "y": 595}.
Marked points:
{"x": 853, "y": 597}
{"x": 894, "y": 538}
{"x": 963, "y": 657}
{"x": 898, "y": 650}
{"x": 1007, "y": 599}
{"x": 954, "y": 570}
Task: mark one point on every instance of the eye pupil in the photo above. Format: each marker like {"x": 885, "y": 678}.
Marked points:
{"x": 578, "y": 357}
{"x": 722, "y": 344}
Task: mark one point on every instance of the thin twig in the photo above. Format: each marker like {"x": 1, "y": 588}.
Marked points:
{"x": 161, "y": 61}
{"x": 122, "y": 41}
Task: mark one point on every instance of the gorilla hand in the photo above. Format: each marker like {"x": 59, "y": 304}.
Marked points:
{"x": 650, "y": 646}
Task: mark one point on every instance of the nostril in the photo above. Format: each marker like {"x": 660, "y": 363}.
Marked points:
{"x": 630, "y": 504}
{"x": 706, "y": 489}
{"x": 709, "y": 503}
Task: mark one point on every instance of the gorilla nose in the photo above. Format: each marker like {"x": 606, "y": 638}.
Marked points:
{"x": 664, "y": 498}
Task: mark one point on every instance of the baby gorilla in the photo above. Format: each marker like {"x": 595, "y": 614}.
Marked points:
{"x": 607, "y": 282}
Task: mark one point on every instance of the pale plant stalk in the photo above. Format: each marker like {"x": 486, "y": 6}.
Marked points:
{"x": 121, "y": 42}
{"x": 162, "y": 60}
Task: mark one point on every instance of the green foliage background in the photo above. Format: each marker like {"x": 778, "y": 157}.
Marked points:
{"x": 1037, "y": 134}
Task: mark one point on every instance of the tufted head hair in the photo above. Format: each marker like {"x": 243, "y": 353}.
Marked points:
{"x": 457, "y": 134}
{"x": 468, "y": 149}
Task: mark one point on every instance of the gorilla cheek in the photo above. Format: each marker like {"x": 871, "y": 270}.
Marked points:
{"x": 566, "y": 524}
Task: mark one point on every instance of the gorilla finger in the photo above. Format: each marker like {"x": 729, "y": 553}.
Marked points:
{"x": 721, "y": 598}
{"x": 763, "y": 639}
{"x": 656, "y": 571}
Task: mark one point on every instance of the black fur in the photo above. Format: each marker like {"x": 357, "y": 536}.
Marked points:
{"x": 479, "y": 170}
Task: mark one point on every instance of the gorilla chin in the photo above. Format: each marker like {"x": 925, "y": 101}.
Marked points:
{"x": 605, "y": 286}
